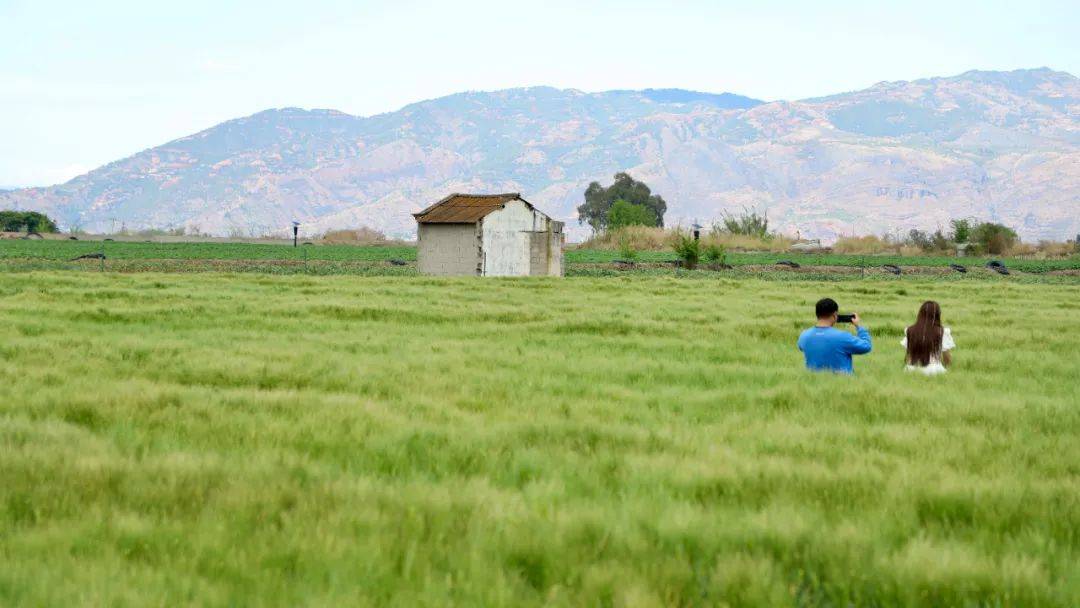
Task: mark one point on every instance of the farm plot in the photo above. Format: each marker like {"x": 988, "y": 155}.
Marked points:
{"x": 126, "y": 250}
{"x": 124, "y": 256}
{"x": 221, "y": 439}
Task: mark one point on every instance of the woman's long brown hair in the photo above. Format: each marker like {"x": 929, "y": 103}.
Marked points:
{"x": 924, "y": 337}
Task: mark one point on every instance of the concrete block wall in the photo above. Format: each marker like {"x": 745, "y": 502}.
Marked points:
{"x": 546, "y": 252}
{"x": 448, "y": 249}
{"x": 556, "y": 240}
{"x": 538, "y": 254}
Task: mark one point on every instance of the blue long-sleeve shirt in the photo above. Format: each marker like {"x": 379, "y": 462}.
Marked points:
{"x": 830, "y": 349}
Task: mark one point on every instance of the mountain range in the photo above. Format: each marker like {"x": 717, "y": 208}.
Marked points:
{"x": 1002, "y": 146}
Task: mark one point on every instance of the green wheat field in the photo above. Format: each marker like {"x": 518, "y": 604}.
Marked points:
{"x": 245, "y": 439}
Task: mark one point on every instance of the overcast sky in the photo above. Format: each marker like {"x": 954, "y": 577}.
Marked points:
{"x": 84, "y": 83}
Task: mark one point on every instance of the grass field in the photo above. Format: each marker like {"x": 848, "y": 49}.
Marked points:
{"x": 240, "y": 439}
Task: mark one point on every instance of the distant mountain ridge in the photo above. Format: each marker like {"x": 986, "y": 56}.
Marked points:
{"x": 994, "y": 145}
{"x": 728, "y": 101}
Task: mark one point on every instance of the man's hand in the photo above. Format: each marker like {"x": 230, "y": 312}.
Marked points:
{"x": 855, "y": 319}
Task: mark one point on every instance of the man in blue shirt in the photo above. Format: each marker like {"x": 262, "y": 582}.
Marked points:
{"x": 829, "y": 349}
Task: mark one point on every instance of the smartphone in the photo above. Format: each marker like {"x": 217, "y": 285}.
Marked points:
{"x": 844, "y": 318}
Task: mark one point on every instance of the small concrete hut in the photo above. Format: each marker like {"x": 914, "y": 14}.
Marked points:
{"x": 489, "y": 235}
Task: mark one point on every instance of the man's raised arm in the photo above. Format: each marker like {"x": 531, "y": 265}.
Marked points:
{"x": 859, "y": 344}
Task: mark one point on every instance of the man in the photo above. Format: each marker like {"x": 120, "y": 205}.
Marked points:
{"x": 829, "y": 349}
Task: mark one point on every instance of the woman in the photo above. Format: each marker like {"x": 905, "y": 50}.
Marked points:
{"x": 928, "y": 344}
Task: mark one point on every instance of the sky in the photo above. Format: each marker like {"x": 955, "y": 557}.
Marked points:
{"x": 85, "y": 83}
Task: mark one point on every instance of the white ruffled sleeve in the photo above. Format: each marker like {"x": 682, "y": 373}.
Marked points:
{"x": 947, "y": 342}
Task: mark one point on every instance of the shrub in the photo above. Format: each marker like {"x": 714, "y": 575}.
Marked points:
{"x": 749, "y": 223}
{"x": 994, "y": 239}
{"x": 687, "y": 248}
{"x": 626, "y": 247}
{"x": 936, "y": 242}
{"x": 715, "y": 254}
{"x": 940, "y": 243}
{"x": 29, "y": 221}
{"x": 918, "y": 238}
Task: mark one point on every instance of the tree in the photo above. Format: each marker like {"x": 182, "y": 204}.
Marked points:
{"x": 993, "y": 238}
{"x": 599, "y": 200}
{"x": 961, "y": 231}
{"x": 927, "y": 241}
{"x": 623, "y": 213}
{"x": 30, "y": 221}
{"x": 919, "y": 239}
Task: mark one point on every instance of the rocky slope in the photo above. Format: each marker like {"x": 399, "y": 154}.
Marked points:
{"x": 995, "y": 145}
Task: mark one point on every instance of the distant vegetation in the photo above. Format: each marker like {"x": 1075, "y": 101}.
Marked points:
{"x": 748, "y": 223}
{"x": 599, "y": 203}
{"x": 26, "y": 221}
{"x": 626, "y": 228}
{"x": 648, "y": 238}
{"x": 623, "y": 214}
{"x": 993, "y": 238}
{"x": 966, "y": 236}
{"x": 687, "y": 248}
{"x": 355, "y": 236}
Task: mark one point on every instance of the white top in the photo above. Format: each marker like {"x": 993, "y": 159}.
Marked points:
{"x": 935, "y": 366}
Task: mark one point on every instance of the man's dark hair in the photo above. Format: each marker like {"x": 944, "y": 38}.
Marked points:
{"x": 825, "y": 307}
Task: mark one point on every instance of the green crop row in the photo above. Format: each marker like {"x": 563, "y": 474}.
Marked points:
{"x": 123, "y": 250}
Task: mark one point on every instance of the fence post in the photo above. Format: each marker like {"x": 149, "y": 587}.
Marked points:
{"x": 102, "y": 256}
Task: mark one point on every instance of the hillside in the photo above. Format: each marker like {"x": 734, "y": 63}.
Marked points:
{"x": 997, "y": 145}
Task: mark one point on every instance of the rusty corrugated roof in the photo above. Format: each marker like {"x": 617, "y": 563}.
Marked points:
{"x": 465, "y": 208}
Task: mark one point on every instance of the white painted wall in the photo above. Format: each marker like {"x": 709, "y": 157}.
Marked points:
{"x": 505, "y": 239}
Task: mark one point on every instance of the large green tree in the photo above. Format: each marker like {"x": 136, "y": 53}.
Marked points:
{"x": 623, "y": 214}
{"x": 30, "y": 221}
{"x": 598, "y": 201}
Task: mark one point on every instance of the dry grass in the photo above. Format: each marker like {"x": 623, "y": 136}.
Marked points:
{"x": 646, "y": 238}
{"x": 1044, "y": 250}
{"x": 1057, "y": 249}
{"x": 871, "y": 244}
{"x": 739, "y": 242}
{"x": 355, "y": 236}
{"x": 641, "y": 238}
{"x": 864, "y": 245}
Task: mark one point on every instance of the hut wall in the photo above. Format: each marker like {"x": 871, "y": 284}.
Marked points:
{"x": 448, "y": 249}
